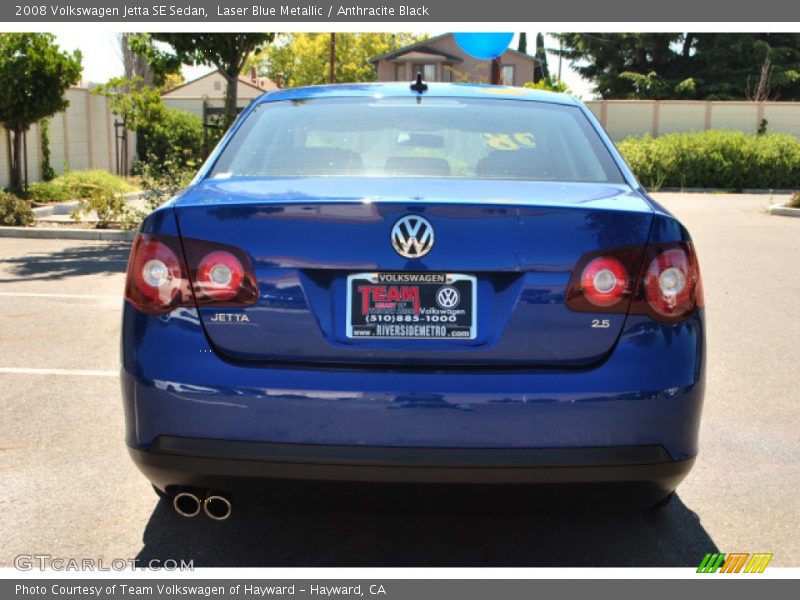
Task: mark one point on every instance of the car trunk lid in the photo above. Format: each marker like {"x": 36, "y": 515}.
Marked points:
{"x": 517, "y": 240}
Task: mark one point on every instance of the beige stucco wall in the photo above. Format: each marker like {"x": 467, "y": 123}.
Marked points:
{"x": 623, "y": 118}
{"x": 677, "y": 117}
{"x": 630, "y": 118}
{"x": 783, "y": 117}
{"x": 82, "y": 136}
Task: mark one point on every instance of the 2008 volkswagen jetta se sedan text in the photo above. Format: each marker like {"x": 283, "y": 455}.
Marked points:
{"x": 433, "y": 284}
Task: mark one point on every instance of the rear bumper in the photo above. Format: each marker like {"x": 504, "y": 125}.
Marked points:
{"x": 173, "y": 462}
{"x": 195, "y": 419}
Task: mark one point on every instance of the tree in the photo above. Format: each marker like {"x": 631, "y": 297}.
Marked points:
{"x": 708, "y": 66}
{"x": 228, "y": 52}
{"x": 34, "y": 75}
{"x": 133, "y": 101}
{"x": 602, "y": 57}
{"x": 302, "y": 58}
{"x": 522, "y": 45}
{"x": 729, "y": 65}
{"x": 164, "y": 67}
{"x": 134, "y": 60}
{"x": 540, "y": 72}
{"x": 165, "y": 137}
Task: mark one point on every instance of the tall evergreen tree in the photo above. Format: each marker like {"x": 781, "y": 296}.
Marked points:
{"x": 522, "y": 45}
{"x": 710, "y": 66}
{"x": 540, "y": 72}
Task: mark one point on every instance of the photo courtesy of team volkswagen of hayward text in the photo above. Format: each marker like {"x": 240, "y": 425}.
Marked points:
{"x": 397, "y": 301}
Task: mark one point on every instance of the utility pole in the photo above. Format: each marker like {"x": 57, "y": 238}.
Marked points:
{"x": 332, "y": 61}
{"x": 560, "y": 50}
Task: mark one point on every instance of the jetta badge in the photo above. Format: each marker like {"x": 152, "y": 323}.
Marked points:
{"x": 412, "y": 237}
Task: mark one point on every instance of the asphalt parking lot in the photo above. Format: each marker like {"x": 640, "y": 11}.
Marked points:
{"x": 70, "y": 490}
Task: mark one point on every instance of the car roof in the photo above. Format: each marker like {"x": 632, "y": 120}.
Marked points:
{"x": 402, "y": 89}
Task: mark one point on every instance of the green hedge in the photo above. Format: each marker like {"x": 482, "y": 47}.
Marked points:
{"x": 715, "y": 159}
{"x": 177, "y": 137}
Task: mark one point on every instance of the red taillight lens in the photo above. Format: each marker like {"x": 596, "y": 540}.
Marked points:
{"x": 219, "y": 276}
{"x": 671, "y": 287}
{"x": 604, "y": 281}
{"x": 668, "y": 288}
{"x": 158, "y": 280}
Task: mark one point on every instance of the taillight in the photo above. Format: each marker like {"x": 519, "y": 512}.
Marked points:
{"x": 157, "y": 280}
{"x": 604, "y": 281}
{"x": 161, "y": 277}
{"x": 661, "y": 281}
{"x": 671, "y": 287}
{"x": 219, "y": 276}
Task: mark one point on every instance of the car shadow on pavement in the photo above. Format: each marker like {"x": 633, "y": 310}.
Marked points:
{"x": 89, "y": 258}
{"x": 415, "y": 530}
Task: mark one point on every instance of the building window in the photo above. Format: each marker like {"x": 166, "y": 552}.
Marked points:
{"x": 428, "y": 72}
{"x": 400, "y": 72}
{"x": 217, "y": 85}
{"x": 508, "y": 75}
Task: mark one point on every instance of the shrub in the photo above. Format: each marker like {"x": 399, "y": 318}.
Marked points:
{"x": 47, "y": 191}
{"x": 176, "y": 137}
{"x": 100, "y": 192}
{"x": 83, "y": 184}
{"x": 794, "y": 201}
{"x": 715, "y": 159}
{"x": 15, "y": 211}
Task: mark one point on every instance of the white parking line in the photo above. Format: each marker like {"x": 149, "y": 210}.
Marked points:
{"x": 78, "y": 372}
{"x": 81, "y": 296}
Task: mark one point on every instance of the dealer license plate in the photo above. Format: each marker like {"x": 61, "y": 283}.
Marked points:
{"x": 406, "y": 305}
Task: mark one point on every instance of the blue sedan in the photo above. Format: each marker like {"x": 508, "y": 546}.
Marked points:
{"x": 433, "y": 284}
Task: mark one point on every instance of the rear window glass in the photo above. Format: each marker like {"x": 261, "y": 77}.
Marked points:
{"x": 457, "y": 138}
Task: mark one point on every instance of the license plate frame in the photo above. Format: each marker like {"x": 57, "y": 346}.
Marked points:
{"x": 429, "y": 313}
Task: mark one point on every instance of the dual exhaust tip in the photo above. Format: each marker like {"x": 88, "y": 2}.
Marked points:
{"x": 215, "y": 506}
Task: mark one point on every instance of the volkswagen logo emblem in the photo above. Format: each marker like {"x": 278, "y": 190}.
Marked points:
{"x": 412, "y": 237}
{"x": 448, "y": 297}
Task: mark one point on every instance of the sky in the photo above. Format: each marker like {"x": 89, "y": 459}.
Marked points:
{"x": 102, "y": 59}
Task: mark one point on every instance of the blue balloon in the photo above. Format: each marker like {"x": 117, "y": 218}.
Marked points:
{"x": 484, "y": 46}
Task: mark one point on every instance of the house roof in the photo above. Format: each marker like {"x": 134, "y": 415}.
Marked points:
{"x": 423, "y": 46}
{"x": 421, "y": 53}
{"x": 263, "y": 84}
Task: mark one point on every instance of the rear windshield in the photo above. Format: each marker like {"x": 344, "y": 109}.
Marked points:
{"x": 456, "y": 138}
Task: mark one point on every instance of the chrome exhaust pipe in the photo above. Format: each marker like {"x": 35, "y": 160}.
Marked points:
{"x": 186, "y": 504}
{"x": 217, "y": 507}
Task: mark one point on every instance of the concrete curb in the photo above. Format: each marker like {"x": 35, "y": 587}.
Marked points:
{"x": 692, "y": 190}
{"x": 63, "y": 208}
{"x": 784, "y": 211}
{"x": 59, "y": 233}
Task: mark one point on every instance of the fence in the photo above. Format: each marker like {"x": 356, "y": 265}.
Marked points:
{"x": 623, "y": 118}
{"x": 82, "y": 137}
